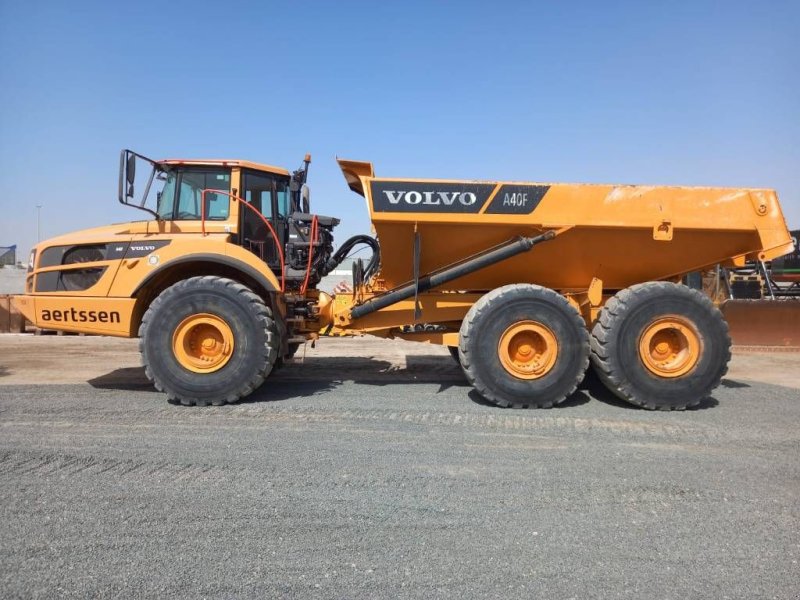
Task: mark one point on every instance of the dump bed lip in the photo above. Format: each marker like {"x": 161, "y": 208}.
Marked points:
{"x": 354, "y": 170}
{"x": 644, "y": 186}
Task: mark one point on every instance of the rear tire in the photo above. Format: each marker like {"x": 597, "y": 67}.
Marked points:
{"x": 208, "y": 340}
{"x": 524, "y": 346}
{"x": 671, "y": 372}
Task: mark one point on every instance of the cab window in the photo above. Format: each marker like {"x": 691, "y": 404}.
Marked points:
{"x": 258, "y": 193}
{"x": 257, "y": 188}
{"x": 284, "y": 199}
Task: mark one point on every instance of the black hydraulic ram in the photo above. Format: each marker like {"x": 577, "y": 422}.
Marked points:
{"x": 473, "y": 263}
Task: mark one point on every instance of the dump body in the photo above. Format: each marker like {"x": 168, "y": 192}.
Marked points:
{"x": 620, "y": 234}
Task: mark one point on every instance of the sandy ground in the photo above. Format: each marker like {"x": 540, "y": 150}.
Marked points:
{"x": 74, "y": 359}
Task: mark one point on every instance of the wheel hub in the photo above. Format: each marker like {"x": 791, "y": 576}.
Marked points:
{"x": 203, "y": 343}
{"x": 528, "y": 349}
{"x": 670, "y": 346}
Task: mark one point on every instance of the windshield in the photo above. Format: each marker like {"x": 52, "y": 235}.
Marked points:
{"x": 181, "y": 193}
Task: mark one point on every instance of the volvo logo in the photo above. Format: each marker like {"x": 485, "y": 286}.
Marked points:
{"x": 455, "y": 197}
{"x": 414, "y": 197}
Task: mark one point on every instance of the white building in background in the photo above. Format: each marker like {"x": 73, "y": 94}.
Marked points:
{"x": 341, "y": 274}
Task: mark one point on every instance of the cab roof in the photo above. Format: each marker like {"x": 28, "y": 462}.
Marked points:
{"x": 219, "y": 162}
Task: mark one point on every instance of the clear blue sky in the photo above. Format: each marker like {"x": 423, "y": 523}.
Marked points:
{"x": 692, "y": 92}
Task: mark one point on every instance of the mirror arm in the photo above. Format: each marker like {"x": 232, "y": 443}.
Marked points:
{"x": 147, "y": 210}
{"x": 147, "y": 187}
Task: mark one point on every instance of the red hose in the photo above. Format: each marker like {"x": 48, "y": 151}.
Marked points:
{"x": 255, "y": 210}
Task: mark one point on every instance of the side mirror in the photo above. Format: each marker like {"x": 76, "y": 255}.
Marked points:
{"x": 130, "y": 173}
{"x": 305, "y": 198}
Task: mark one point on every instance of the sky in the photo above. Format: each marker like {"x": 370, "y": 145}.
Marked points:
{"x": 687, "y": 93}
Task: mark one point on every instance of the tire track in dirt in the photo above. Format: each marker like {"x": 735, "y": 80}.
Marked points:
{"x": 420, "y": 480}
{"x": 243, "y": 416}
{"x": 45, "y": 464}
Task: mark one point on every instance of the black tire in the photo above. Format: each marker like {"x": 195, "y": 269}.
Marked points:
{"x": 617, "y": 359}
{"x": 255, "y": 337}
{"x": 484, "y": 326}
{"x": 454, "y": 353}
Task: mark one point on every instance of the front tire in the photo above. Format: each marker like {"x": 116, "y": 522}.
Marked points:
{"x": 524, "y": 346}
{"x": 661, "y": 346}
{"x": 208, "y": 340}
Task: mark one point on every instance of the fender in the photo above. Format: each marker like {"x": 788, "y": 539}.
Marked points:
{"x": 269, "y": 283}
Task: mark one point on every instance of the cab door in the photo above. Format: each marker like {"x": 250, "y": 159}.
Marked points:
{"x": 268, "y": 194}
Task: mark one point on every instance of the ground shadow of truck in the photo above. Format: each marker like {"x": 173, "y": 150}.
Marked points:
{"x": 329, "y": 373}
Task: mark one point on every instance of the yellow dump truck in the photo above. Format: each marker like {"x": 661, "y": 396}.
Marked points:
{"x": 527, "y": 283}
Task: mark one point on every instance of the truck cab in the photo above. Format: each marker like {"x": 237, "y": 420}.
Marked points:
{"x": 246, "y": 221}
{"x": 263, "y": 208}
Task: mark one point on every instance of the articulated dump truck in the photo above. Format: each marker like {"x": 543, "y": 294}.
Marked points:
{"x": 526, "y": 283}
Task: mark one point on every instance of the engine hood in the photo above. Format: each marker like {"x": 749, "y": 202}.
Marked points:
{"x": 106, "y": 233}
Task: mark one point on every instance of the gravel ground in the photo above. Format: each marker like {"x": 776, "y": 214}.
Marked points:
{"x": 359, "y": 475}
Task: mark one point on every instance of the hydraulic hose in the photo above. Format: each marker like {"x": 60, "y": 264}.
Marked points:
{"x": 374, "y": 262}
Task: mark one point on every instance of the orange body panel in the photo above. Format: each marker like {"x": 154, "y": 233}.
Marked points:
{"x": 106, "y": 316}
{"x": 123, "y": 277}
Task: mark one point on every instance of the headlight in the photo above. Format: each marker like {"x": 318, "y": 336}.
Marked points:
{"x": 31, "y": 260}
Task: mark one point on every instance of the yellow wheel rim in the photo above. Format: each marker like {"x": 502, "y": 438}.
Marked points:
{"x": 203, "y": 343}
{"x": 670, "y": 346}
{"x": 528, "y": 350}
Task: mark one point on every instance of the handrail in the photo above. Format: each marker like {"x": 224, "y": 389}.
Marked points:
{"x": 255, "y": 210}
{"x": 314, "y": 234}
